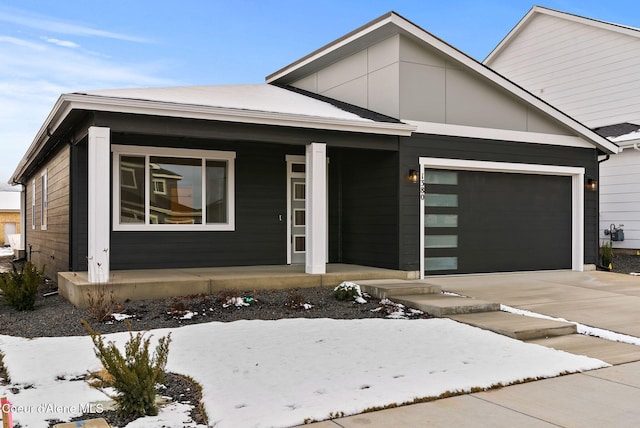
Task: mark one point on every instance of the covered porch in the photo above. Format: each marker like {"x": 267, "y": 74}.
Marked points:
{"x": 161, "y": 283}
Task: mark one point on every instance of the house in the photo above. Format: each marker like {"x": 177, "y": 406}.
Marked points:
{"x": 589, "y": 69}
{"x": 387, "y": 148}
{"x": 9, "y": 215}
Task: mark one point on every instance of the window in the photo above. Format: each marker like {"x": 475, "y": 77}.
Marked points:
{"x": 44, "y": 207}
{"x": 33, "y": 204}
{"x": 173, "y": 189}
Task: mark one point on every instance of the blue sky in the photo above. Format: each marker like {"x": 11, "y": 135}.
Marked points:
{"x": 52, "y": 47}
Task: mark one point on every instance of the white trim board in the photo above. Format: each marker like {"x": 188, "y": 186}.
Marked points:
{"x": 577, "y": 195}
{"x": 498, "y": 134}
{"x": 147, "y": 152}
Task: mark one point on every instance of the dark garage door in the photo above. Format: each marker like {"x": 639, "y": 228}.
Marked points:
{"x": 496, "y": 222}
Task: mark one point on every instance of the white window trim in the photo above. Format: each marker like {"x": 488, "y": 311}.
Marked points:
{"x": 147, "y": 152}
{"x": 33, "y": 204}
{"x": 44, "y": 200}
{"x": 577, "y": 195}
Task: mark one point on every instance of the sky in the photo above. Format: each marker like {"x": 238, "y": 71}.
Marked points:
{"x": 49, "y": 48}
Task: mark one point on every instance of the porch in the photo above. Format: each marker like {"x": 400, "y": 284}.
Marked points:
{"x": 161, "y": 283}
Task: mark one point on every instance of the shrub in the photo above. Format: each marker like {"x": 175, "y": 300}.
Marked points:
{"x": 606, "y": 254}
{"x": 135, "y": 374}
{"x": 347, "y": 291}
{"x": 19, "y": 288}
{"x": 100, "y": 302}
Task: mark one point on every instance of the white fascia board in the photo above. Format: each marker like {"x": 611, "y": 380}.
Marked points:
{"x": 189, "y": 111}
{"x": 498, "y": 134}
{"x": 54, "y": 119}
{"x": 507, "y": 39}
{"x": 340, "y": 43}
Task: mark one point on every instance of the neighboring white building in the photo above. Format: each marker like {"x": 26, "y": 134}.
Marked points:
{"x": 590, "y": 70}
{"x": 9, "y": 216}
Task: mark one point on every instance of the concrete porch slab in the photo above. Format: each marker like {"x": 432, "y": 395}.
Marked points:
{"x": 516, "y": 326}
{"x": 163, "y": 283}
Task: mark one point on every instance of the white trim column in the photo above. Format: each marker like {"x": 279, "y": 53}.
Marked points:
{"x": 99, "y": 204}
{"x": 316, "y": 208}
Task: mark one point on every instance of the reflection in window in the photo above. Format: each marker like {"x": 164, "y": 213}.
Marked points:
{"x": 132, "y": 189}
{"x": 216, "y": 191}
{"x": 181, "y": 202}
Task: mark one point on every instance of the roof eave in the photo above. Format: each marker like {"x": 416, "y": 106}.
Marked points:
{"x": 68, "y": 102}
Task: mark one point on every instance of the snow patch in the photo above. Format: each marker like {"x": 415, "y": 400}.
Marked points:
{"x": 256, "y": 373}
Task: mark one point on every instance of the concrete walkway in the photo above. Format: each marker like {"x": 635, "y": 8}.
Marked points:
{"x": 605, "y": 397}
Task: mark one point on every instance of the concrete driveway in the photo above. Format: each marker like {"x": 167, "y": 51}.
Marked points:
{"x": 598, "y": 299}
{"x": 605, "y": 397}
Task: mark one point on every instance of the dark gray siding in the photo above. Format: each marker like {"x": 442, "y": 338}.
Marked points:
{"x": 79, "y": 221}
{"x": 259, "y": 236}
{"x": 498, "y": 151}
{"x": 363, "y": 195}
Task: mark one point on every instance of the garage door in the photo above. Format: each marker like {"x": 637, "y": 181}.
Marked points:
{"x": 496, "y": 222}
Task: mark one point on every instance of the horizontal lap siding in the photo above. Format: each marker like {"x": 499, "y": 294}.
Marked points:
{"x": 50, "y": 247}
{"x": 369, "y": 212}
{"x": 259, "y": 236}
{"x": 411, "y": 149}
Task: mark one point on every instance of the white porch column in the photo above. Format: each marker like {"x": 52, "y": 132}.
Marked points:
{"x": 316, "y": 208}
{"x": 99, "y": 203}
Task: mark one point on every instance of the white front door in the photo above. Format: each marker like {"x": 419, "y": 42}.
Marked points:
{"x": 298, "y": 220}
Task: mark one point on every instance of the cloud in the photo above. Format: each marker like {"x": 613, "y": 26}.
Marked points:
{"x": 33, "y": 74}
{"x": 52, "y": 25}
{"x": 62, "y": 43}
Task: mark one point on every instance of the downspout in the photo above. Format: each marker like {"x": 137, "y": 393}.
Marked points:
{"x": 598, "y": 263}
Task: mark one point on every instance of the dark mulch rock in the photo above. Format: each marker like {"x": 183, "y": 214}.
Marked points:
{"x": 626, "y": 263}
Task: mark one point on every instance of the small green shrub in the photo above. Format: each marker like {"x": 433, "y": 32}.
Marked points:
{"x": 19, "y": 288}
{"x": 347, "y": 291}
{"x": 606, "y": 254}
{"x": 135, "y": 374}
{"x": 4, "y": 374}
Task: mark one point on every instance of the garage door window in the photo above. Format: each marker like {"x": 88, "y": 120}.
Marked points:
{"x": 441, "y": 221}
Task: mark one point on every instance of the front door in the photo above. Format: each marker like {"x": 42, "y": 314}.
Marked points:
{"x": 298, "y": 220}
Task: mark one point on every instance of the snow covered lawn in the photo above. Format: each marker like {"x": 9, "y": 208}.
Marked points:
{"x": 281, "y": 373}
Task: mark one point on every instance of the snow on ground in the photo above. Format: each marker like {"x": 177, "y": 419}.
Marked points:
{"x": 581, "y": 328}
{"x": 281, "y": 373}
{"x": 6, "y": 251}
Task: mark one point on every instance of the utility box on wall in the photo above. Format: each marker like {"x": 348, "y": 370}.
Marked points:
{"x": 616, "y": 233}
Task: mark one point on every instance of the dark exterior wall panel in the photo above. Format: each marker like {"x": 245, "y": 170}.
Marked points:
{"x": 411, "y": 149}
{"x": 259, "y": 236}
{"x": 369, "y": 213}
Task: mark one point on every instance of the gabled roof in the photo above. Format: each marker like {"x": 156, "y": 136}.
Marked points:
{"x": 391, "y": 24}
{"x": 539, "y": 10}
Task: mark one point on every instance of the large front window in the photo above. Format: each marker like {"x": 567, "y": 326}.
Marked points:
{"x": 173, "y": 189}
